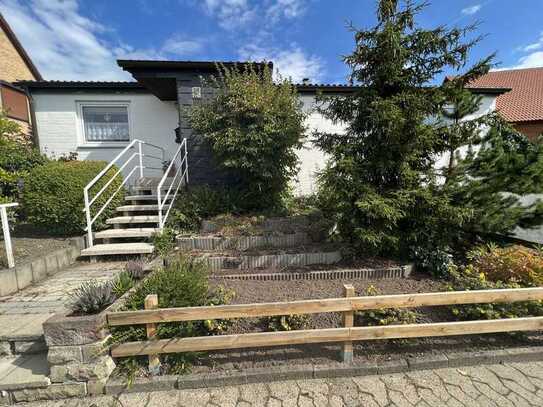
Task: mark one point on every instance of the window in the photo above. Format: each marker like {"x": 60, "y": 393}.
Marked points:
{"x": 105, "y": 123}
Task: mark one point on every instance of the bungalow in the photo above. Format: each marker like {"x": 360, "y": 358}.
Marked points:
{"x": 97, "y": 120}
{"x": 523, "y": 105}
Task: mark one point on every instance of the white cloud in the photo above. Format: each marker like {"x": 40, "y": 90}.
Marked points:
{"x": 68, "y": 46}
{"x": 534, "y": 46}
{"x": 291, "y": 63}
{"x": 468, "y": 11}
{"x": 233, "y": 14}
{"x": 533, "y": 57}
{"x": 286, "y": 8}
{"x": 230, "y": 13}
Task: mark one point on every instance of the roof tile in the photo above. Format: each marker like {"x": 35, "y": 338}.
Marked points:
{"x": 525, "y": 101}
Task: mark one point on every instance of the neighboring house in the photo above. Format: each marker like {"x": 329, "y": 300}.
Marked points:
{"x": 523, "y": 105}
{"x": 97, "y": 119}
{"x": 15, "y": 65}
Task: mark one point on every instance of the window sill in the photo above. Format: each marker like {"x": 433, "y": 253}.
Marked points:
{"x": 120, "y": 144}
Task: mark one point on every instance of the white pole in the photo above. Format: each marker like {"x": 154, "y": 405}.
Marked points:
{"x": 141, "y": 159}
{"x": 7, "y": 236}
{"x": 186, "y": 163}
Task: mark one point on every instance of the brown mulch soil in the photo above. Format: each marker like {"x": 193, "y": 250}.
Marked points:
{"x": 365, "y": 352}
{"x": 248, "y": 291}
{"x": 29, "y": 244}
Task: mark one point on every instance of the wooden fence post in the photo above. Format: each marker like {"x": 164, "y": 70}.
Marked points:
{"x": 151, "y": 302}
{"x": 348, "y": 322}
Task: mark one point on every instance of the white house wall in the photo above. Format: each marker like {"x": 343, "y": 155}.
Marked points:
{"x": 59, "y": 130}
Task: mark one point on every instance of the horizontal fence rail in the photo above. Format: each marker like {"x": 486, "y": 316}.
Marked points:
{"x": 347, "y": 334}
{"x": 324, "y": 305}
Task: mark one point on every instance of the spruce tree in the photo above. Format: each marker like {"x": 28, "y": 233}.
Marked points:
{"x": 381, "y": 183}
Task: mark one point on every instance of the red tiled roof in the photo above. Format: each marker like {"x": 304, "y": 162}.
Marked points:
{"x": 525, "y": 100}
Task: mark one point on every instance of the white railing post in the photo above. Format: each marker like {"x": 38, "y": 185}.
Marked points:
{"x": 140, "y": 152}
{"x": 160, "y": 226}
{"x": 90, "y": 240}
{"x": 7, "y": 235}
{"x": 186, "y": 163}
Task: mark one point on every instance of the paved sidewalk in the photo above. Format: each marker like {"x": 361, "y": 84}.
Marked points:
{"x": 515, "y": 385}
{"x": 22, "y": 313}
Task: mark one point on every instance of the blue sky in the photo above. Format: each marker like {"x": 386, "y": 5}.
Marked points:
{"x": 81, "y": 39}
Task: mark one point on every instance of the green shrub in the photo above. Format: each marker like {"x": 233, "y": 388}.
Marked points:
{"x": 53, "y": 195}
{"x": 254, "y": 126}
{"x": 15, "y": 161}
{"x": 122, "y": 283}
{"x": 182, "y": 283}
{"x": 387, "y": 316}
{"x": 286, "y": 322}
{"x": 469, "y": 278}
{"x": 201, "y": 202}
{"x": 164, "y": 241}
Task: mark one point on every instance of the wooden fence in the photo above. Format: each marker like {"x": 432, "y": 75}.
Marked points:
{"x": 346, "y": 334}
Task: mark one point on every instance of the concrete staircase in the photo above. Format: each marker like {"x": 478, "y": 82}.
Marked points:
{"x": 131, "y": 230}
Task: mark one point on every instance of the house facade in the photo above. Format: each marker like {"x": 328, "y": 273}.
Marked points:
{"x": 522, "y": 106}
{"x": 15, "y": 65}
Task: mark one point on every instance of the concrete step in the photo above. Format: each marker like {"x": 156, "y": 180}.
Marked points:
{"x": 152, "y": 182}
{"x": 118, "y": 248}
{"x": 24, "y": 372}
{"x": 142, "y": 198}
{"x": 150, "y": 189}
{"x": 125, "y": 233}
{"x": 132, "y": 219}
{"x": 137, "y": 208}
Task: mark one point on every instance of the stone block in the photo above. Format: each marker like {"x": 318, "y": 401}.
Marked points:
{"x": 39, "y": 270}
{"x": 25, "y": 275}
{"x": 96, "y": 387}
{"x": 63, "y": 330}
{"x": 225, "y": 379}
{"x": 5, "y": 348}
{"x": 73, "y": 253}
{"x": 61, "y": 355}
{"x": 52, "y": 392}
{"x": 92, "y": 351}
{"x": 8, "y": 281}
{"x": 392, "y": 366}
{"x": 280, "y": 373}
{"x": 29, "y": 347}
{"x": 426, "y": 362}
{"x": 529, "y": 354}
{"x": 191, "y": 381}
{"x": 63, "y": 258}
{"x": 83, "y": 372}
{"x": 51, "y": 264}
{"x": 141, "y": 384}
{"x": 459, "y": 359}
{"x": 332, "y": 371}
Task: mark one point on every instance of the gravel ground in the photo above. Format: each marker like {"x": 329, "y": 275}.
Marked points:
{"x": 29, "y": 248}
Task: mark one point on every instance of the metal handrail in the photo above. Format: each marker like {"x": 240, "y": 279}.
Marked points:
{"x": 119, "y": 173}
{"x": 183, "y": 170}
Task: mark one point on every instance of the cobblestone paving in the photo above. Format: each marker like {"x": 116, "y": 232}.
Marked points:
{"x": 515, "y": 384}
{"x": 52, "y": 294}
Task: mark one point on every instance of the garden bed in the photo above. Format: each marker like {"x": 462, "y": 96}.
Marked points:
{"x": 29, "y": 244}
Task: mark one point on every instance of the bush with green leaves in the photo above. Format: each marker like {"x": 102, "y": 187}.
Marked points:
{"x": 53, "y": 195}
{"x": 181, "y": 283}
{"x": 122, "y": 283}
{"x": 286, "y": 322}
{"x": 199, "y": 203}
{"x": 470, "y": 278}
{"x": 164, "y": 241}
{"x": 254, "y": 126}
{"x": 386, "y": 316}
{"x": 16, "y": 160}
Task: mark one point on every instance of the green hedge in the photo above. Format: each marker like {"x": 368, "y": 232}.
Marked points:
{"x": 53, "y": 195}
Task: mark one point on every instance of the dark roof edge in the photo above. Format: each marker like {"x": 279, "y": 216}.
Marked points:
{"x": 80, "y": 85}
{"x": 19, "y": 47}
{"x": 490, "y": 91}
{"x": 12, "y": 86}
{"x": 128, "y": 64}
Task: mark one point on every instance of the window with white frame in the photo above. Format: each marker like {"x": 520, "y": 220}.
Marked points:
{"x": 104, "y": 123}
